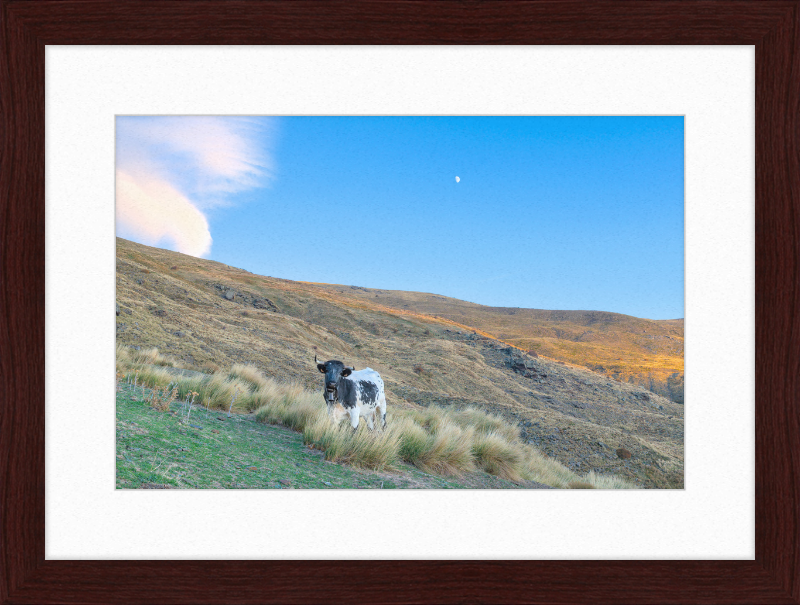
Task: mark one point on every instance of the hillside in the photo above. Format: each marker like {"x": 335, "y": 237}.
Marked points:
{"x": 645, "y": 352}
{"x": 210, "y": 315}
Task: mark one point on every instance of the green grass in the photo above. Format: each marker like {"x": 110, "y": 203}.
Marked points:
{"x": 159, "y": 449}
{"x": 163, "y": 449}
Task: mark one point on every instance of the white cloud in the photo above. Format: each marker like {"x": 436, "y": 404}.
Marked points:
{"x": 155, "y": 211}
{"x": 172, "y": 169}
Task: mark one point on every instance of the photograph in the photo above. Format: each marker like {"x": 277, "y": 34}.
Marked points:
{"x": 399, "y": 302}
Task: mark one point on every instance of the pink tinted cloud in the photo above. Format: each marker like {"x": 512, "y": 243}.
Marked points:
{"x": 154, "y": 211}
{"x": 171, "y": 169}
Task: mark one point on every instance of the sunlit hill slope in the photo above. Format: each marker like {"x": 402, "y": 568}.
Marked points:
{"x": 639, "y": 351}
{"x": 430, "y": 350}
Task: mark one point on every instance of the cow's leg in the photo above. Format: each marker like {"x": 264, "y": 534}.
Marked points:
{"x": 354, "y": 418}
{"x": 382, "y": 411}
{"x": 371, "y": 420}
{"x": 336, "y": 413}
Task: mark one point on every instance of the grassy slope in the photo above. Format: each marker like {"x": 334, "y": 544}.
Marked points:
{"x": 163, "y": 450}
{"x": 177, "y": 303}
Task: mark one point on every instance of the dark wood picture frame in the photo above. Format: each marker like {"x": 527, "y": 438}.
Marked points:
{"x": 773, "y": 27}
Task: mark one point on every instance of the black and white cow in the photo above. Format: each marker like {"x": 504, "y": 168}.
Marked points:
{"x": 352, "y": 393}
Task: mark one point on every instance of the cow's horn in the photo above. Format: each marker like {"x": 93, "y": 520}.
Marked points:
{"x": 315, "y": 359}
{"x": 351, "y": 368}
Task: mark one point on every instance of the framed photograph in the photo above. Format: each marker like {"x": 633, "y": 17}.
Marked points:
{"x": 45, "y": 563}
{"x": 448, "y": 358}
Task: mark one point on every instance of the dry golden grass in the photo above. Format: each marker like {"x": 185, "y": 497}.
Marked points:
{"x": 542, "y": 469}
{"x": 607, "y": 481}
{"x": 288, "y": 405}
{"x": 210, "y": 366}
{"x": 250, "y": 374}
{"x": 484, "y": 422}
{"x": 370, "y": 449}
{"x": 122, "y": 363}
{"x": 151, "y": 357}
{"x": 433, "y": 443}
{"x": 450, "y": 452}
{"x": 123, "y": 354}
{"x": 150, "y": 376}
{"x": 415, "y": 441}
{"x": 186, "y": 386}
{"x": 221, "y": 392}
{"x": 495, "y": 455}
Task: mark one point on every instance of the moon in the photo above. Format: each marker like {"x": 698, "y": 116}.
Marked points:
{"x": 458, "y": 180}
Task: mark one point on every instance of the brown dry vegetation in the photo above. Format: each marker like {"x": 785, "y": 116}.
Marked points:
{"x": 192, "y": 310}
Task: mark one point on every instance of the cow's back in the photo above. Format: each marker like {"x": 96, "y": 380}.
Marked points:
{"x": 367, "y": 374}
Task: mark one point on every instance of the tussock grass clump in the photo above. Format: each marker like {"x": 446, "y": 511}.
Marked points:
{"x": 128, "y": 358}
{"x": 218, "y": 392}
{"x": 269, "y": 395}
{"x": 249, "y": 374}
{"x": 537, "y": 467}
{"x": 281, "y": 395}
{"x": 580, "y": 485}
{"x": 415, "y": 441}
{"x": 607, "y": 481}
{"x": 485, "y": 423}
{"x": 451, "y": 451}
{"x": 304, "y": 410}
{"x": 186, "y": 386}
{"x": 151, "y": 357}
{"x": 288, "y": 405}
{"x": 123, "y": 354}
{"x": 209, "y": 367}
{"x": 545, "y": 470}
{"x": 152, "y": 377}
{"x": 122, "y": 366}
{"x": 364, "y": 448}
{"x": 435, "y": 444}
{"x": 430, "y": 418}
{"x": 495, "y": 455}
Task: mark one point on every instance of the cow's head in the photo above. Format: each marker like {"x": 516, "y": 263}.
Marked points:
{"x": 334, "y": 372}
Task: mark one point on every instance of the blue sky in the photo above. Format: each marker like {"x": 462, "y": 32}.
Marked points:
{"x": 549, "y": 213}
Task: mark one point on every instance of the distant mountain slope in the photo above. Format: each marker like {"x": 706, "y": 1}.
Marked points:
{"x": 432, "y": 351}
{"x": 640, "y": 351}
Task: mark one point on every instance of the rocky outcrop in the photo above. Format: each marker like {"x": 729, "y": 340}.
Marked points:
{"x": 523, "y": 364}
{"x": 675, "y": 387}
{"x": 245, "y": 298}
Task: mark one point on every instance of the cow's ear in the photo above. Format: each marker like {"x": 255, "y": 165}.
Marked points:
{"x": 346, "y": 372}
{"x": 321, "y": 367}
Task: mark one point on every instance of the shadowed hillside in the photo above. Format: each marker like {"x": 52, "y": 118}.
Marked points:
{"x": 429, "y": 350}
